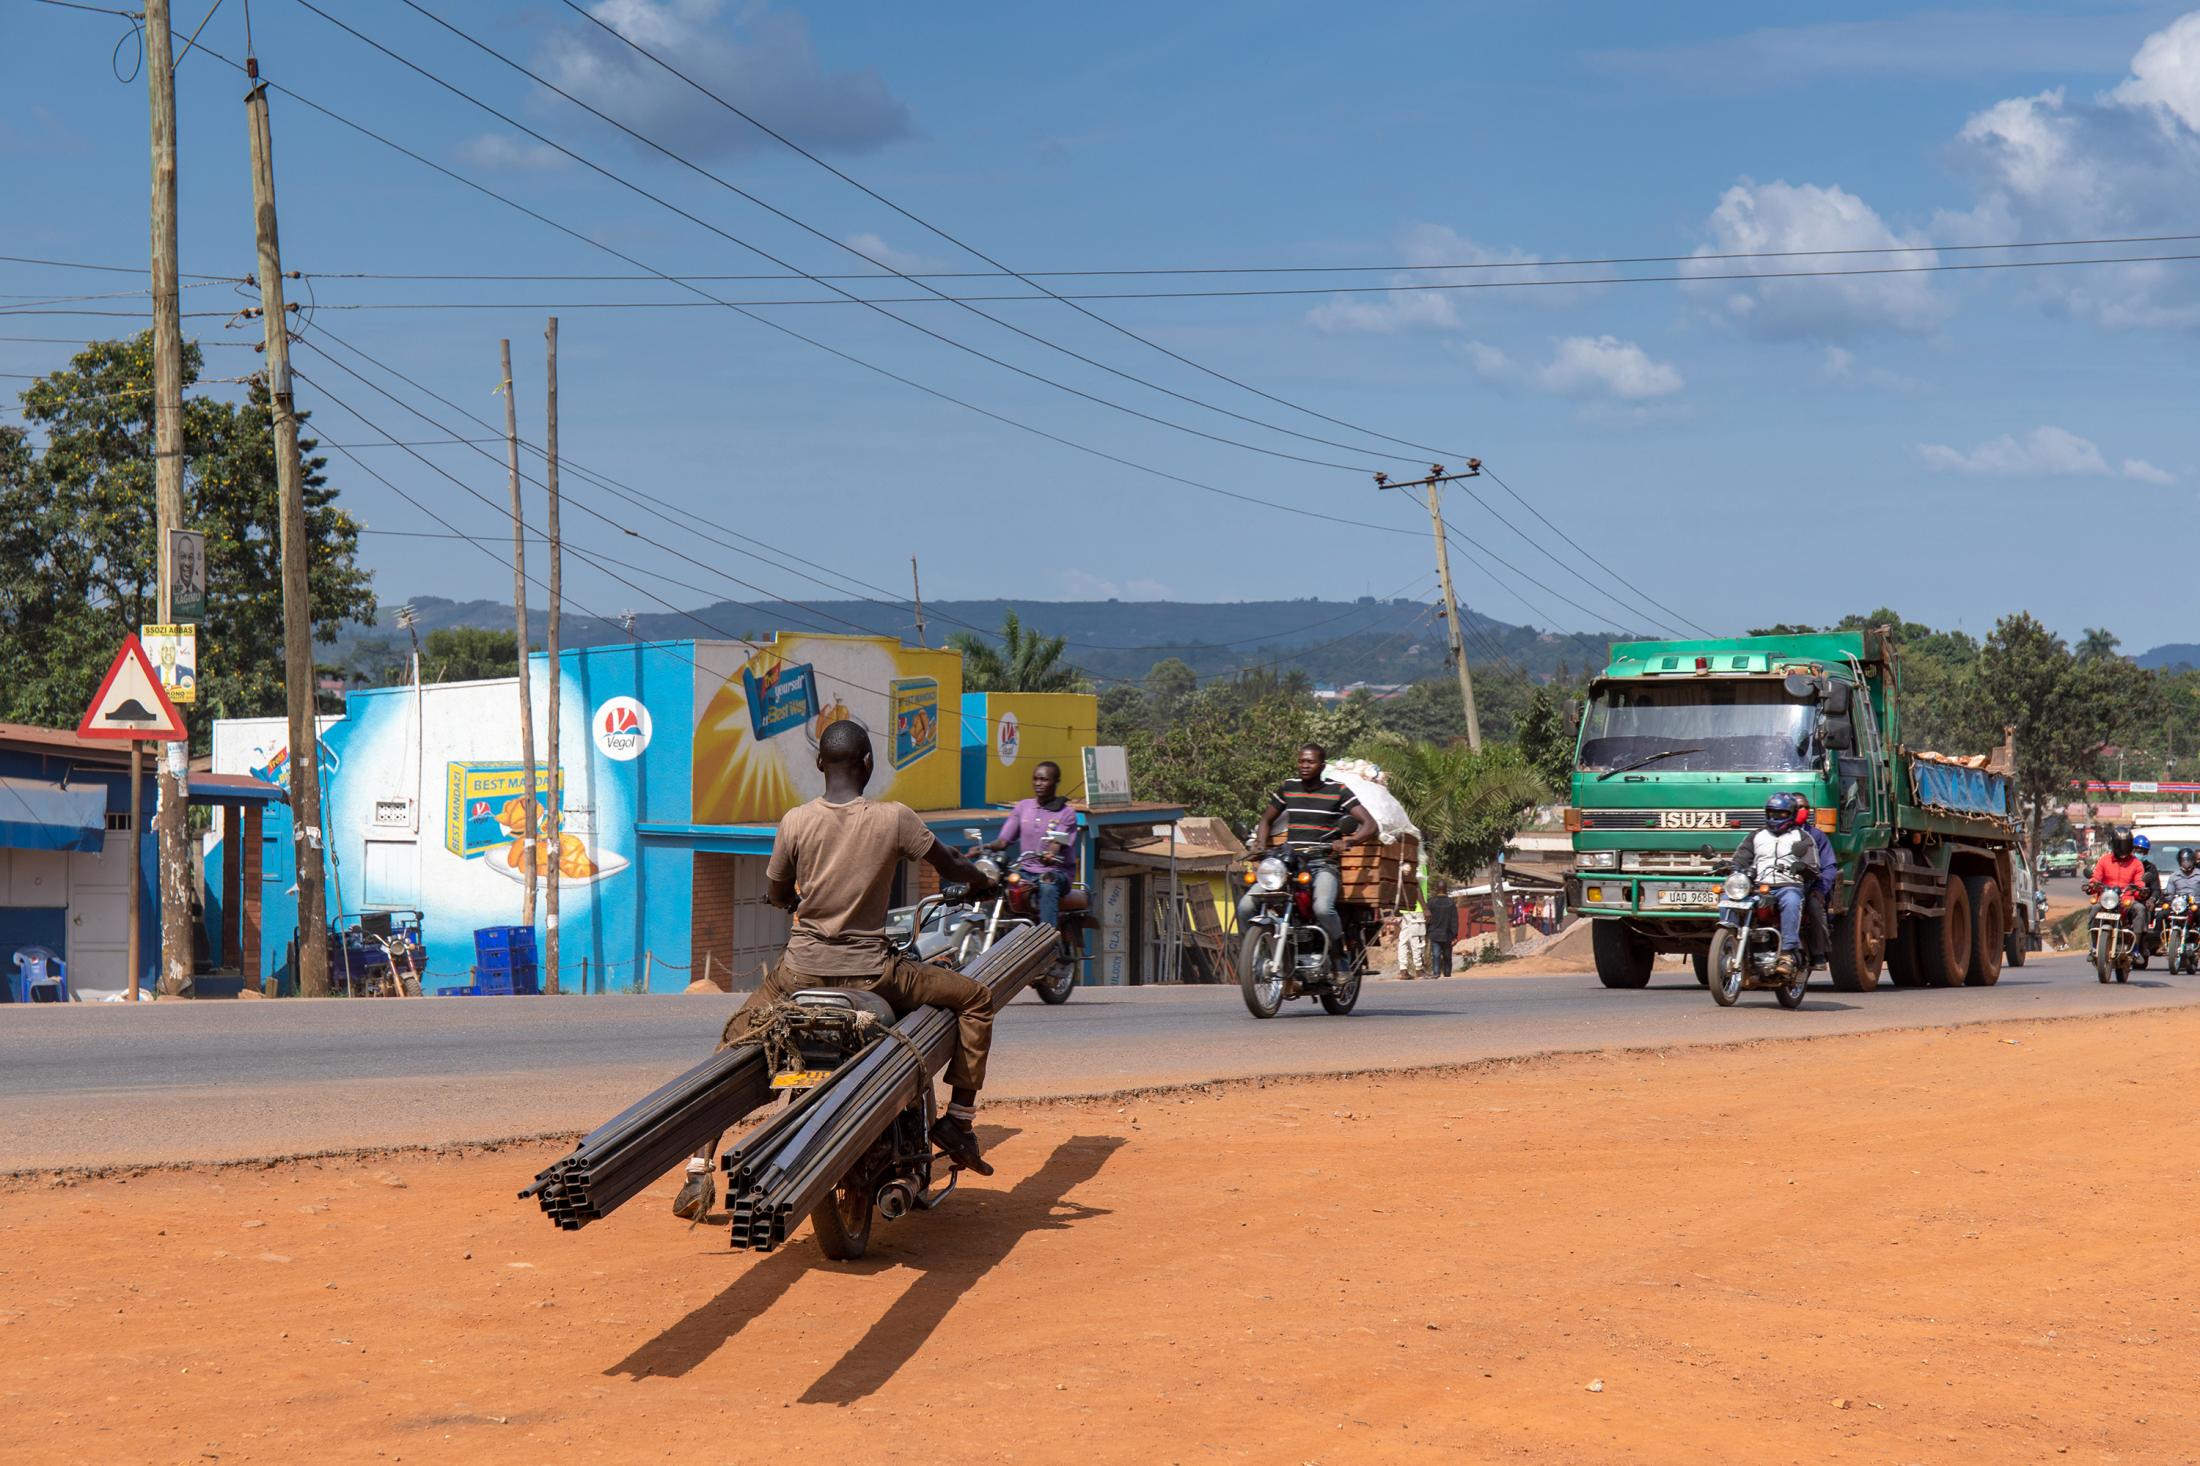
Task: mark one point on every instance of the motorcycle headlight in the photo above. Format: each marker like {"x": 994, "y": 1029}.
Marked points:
{"x": 989, "y": 868}
{"x": 2180, "y": 904}
{"x": 1271, "y": 875}
{"x": 1600, "y": 860}
{"x": 2111, "y": 899}
{"x": 1736, "y": 889}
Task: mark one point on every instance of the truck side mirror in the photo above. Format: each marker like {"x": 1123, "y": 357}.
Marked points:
{"x": 1573, "y": 715}
{"x": 1839, "y": 733}
{"x": 1800, "y": 684}
{"x": 1838, "y": 697}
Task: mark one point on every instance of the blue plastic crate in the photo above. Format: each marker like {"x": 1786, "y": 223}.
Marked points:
{"x": 496, "y": 939}
{"x": 464, "y": 992}
{"x": 517, "y": 981}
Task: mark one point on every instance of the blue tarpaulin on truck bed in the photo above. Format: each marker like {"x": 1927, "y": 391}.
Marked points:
{"x": 1959, "y": 790}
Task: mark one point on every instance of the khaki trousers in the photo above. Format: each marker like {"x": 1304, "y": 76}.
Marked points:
{"x": 906, "y": 985}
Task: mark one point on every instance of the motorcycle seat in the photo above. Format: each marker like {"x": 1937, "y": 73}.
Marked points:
{"x": 1077, "y": 898}
{"x": 861, "y": 999}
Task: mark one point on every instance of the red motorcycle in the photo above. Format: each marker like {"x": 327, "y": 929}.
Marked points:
{"x": 1016, "y": 904}
{"x": 2115, "y": 929}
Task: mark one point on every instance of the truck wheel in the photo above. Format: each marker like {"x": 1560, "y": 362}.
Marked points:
{"x": 1701, "y": 961}
{"x": 2017, "y": 946}
{"x": 1903, "y": 967}
{"x": 1944, "y": 941}
{"x": 1989, "y": 930}
{"x": 1860, "y": 936}
{"x": 1623, "y": 959}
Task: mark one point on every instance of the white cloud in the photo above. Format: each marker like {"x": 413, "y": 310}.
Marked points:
{"x": 1490, "y": 362}
{"x": 1605, "y": 366}
{"x": 503, "y": 150}
{"x": 1840, "y": 366}
{"x": 759, "y": 59}
{"x": 1782, "y": 218}
{"x": 1419, "y": 310}
{"x": 1931, "y": 43}
{"x": 2045, "y": 452}
{"x": 2127, "y": 161}
{"x": 873, "y": 248}
{"x": 1425, "y": 245}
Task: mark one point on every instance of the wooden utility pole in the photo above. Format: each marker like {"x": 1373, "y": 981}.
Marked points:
{"x": 916, "y": 592}
{"x": 300, "y": 700}
{"x": 175, "y": 762}
{"x": 529, "y": 832}
{"x": 1433, "y": 487}
{"x": 557, "y": 825}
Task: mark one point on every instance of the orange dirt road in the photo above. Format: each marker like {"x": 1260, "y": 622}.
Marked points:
{"x": 1969, "y": 1244}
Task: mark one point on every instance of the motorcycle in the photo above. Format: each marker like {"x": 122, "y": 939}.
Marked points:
{"x": 1285, "y": 953}
{"x": 2180, "y": 941}
{"x": 2115, "y": 935}
{"x": 1016, "y": 904}
{"x": 1745, "y": 949}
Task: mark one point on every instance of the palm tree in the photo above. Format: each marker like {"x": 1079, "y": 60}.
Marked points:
{"x": 1466, "y": 804}
{"x": 1024, "y": 661}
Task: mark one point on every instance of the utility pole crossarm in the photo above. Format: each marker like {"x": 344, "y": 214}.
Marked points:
{"x": 1432, "y": 486}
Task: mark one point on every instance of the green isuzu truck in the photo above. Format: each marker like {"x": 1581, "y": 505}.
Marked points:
{"x": 1679, "y": 746}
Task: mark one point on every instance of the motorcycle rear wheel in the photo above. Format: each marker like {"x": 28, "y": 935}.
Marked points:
{"x": 1725, "y": 961}
{"x": 1259, "y": 982}
{"x": 1054, "y": 989}
{"x": 842, "y": 1221}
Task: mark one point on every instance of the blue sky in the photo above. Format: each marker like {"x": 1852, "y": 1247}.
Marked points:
{"x": 1744, "y": 450}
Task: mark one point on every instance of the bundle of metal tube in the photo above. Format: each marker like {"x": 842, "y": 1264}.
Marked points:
{"x": 650, "y": 1136}
{"x": 779, "y": 1175}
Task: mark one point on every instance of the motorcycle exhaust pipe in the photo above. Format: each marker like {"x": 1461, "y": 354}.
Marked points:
{"x": 896, "y": 1200}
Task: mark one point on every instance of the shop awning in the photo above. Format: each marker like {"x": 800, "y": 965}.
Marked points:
{"x": 37, "y": 815}
{"x": 235, "y": 789}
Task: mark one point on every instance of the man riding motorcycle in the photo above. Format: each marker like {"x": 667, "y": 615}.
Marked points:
{"x": 2185, "y": 881}
{"x": 1322, "y": 819}
{"x": 1783, "y": 857}
{"x": 2120, "y": 866}
{"x": 1817, "y": 931}
{"x": 832, "y": 865}
{"x": 2142, "y": 850}
{"x": 1044, "y": 830}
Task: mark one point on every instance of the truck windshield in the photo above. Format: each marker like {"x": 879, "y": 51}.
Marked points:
{"x": 1703, "y": 727}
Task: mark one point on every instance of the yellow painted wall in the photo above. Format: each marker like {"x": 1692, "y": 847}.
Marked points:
{"x": 1025, "y": 729}
{"x": 760, "y": 711}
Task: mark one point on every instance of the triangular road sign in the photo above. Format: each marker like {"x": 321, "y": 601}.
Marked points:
{"x": 130, "y": 702}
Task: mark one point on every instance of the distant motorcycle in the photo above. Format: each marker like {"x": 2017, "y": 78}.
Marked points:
{"x": 1745, "y": 949}
{"x": 2181, "y": 942}
{"x": 1016, "y": 903}
{"x": 1285, "y": 953}
{"x": 2115, "y": 930}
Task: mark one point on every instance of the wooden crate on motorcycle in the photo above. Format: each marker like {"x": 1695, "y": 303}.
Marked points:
{"x": 1376, "y": 874}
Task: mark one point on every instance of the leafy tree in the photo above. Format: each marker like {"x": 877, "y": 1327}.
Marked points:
{"x": 468, "y": 654}
{"x": 2066, "y": 709}
{"x": 1546, "y": 743}
{"x": 1024, "y": 661}
{"x": 78, "y": 526}
{"x": 1467, "y": 804}
{"x": 1222, "y": 756}
{"x": 1170, "y": 681}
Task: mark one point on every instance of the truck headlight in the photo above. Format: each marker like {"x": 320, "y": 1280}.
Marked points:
{"x": 1600, "y": 860}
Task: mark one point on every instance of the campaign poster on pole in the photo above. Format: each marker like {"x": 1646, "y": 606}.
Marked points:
{"x": 174, "y": 651}
{"x": 187, "y": 574}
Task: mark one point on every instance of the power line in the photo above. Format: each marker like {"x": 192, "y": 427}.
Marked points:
{"x": 849, "y": 357}
{"x": 1608, "y": 570}
{"x": 630, "y": 185}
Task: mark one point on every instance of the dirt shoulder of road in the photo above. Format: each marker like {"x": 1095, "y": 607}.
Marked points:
{"x": 1959, "y": 1244}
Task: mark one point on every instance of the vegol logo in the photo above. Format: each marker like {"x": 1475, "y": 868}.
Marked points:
{"x": 1008, "y": 738}
{"x": 622, "y": 729}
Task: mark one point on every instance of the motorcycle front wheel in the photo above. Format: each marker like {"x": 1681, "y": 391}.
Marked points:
{"x": 1725, "y": 962}
{"x": 1342, "y": 994}
{"x": 1790, "y": 993}
{"x": 1259, "y": 979}
{"x": 2104, "y": 952}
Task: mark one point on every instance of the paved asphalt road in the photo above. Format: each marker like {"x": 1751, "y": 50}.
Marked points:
{"x": 107, "y": 1084}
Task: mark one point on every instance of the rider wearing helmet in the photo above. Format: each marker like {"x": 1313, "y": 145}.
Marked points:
{"x": 2121, "y": 866}
{"x": 1784, "y": 857}
{"x": 1817, "y": 935}
{"x": 2186, "y": 882}
{"x": 2142, "y": 850}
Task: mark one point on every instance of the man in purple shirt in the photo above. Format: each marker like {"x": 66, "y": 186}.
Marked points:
{"x": 1044, "y": 827}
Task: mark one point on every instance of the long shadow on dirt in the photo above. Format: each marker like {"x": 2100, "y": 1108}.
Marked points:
{"x": 969, "y": 1236}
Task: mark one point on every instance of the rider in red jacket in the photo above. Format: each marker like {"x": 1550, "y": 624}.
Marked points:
{"x": 2119, "y": 867}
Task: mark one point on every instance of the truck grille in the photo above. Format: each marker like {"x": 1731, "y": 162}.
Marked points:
{"x": 1678, "y": 821}
{"x": 1668, "y": 862}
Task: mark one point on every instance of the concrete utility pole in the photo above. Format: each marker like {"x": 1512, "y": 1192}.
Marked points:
{"x": 175, "y": 762}
{"x": 528, "y": 833}
{"x": 1432, "y": 485}
{"x": 300, "y": 701}
{"x": 550, "y": 483}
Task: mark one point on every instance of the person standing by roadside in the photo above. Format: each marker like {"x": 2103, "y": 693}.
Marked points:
{"x": 1443, "y": 930}
{"x": 1413, "y": 944}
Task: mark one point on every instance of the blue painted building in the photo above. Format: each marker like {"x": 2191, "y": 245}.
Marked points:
{"x": 68, "y": 857}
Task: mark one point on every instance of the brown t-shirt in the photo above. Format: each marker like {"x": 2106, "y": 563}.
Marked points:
{"x": 842, "y": 858}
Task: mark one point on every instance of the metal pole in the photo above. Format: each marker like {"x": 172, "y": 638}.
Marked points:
{"x": 137, "y": 868}
{"x": 174, "y": 761}
{"x": 529, "y": 833}
{"x": 554, "y": 829}
{"x": 299, "y": 700}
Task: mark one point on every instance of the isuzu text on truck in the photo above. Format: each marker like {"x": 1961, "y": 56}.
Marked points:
{"x": 1682, "y": 741}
